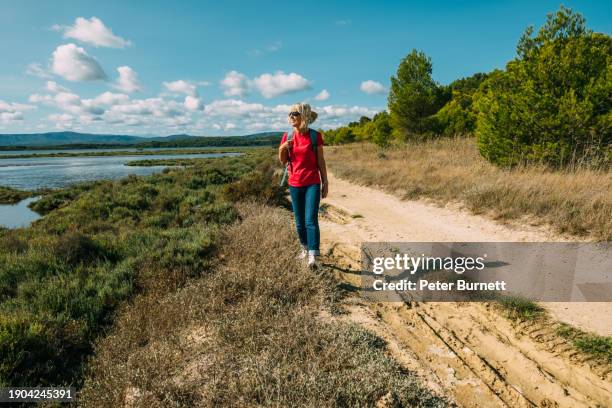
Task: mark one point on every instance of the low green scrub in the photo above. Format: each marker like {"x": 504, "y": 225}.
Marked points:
{"x": 592, "y": 344}
{"x": 10, "y": 195}
{"x": 63, "y": 278}
{"x": 162, "y": 162}
{"x": 520, "y": 308}
{"x": 53, "y": 199}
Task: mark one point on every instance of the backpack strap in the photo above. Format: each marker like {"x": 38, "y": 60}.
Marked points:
{"x": 314, "y": 140}
{"x": 289, "y": 137}
{"x": 285, "y": 171}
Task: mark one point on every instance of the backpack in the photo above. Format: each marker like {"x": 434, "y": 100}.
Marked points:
{"x": 313, "y": 140}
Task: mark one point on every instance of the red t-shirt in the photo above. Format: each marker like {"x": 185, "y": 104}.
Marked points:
{"x": 303, "y": 170}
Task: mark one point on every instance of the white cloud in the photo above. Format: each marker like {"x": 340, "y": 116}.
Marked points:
{"x": 343, "y": 22}
{"x": 274, "y": 47}
{"x": 110, "y": 98}
{"x": 74, "y": 64}
{"x": 117, "y": 112}
{"x": 233, "y": 107}
{"x": 14, "y": 107}
{"x": 54, "y": 87}
{"x": 128, "y": 80}
{"x": 64, "y": 117}
{"x": 38, "y": 98}
{"x": 12, "y": 112}
{"x": 235, "y": 84}
{"x": 372, "y": 87}
{"x": 61, "y": 121}
{"x": 37, "y": 69}
{"x": 182, "y": 86}
{"x": 92, "y": 31}
{"x": 192, "y": 103}
{"x": 336, "y": 111}
{"x": 279, "y": 83}
{"x": 10, "y": 117}
{"x": 67, "y": 99}
{"x": 322, "y": 96}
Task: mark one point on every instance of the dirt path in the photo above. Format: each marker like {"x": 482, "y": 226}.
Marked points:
{"x": 466, "y": 351}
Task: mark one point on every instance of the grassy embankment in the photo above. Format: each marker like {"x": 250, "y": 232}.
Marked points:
{"x": 451, "y": 170}
{"x": 132, "y": 265}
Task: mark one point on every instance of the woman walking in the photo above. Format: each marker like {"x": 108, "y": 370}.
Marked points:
{"x": 307, "y": 177}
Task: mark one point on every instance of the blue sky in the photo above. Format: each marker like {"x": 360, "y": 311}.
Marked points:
{"x": 224, "y": 68}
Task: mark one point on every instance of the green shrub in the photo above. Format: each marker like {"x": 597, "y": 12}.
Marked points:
{"x": 457, "y": 116}
{"x": 552, "y": 103}
{"x": 10, "y": 195}
{"x": 261, "y": 185}
{"x": 74, "y": 248}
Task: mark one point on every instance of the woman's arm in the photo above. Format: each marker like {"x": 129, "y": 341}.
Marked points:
{"x": 283, "y": 152}
{"x": 322, "y": 170}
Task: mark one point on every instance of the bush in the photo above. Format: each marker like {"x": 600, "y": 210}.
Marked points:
{"x": 552, "y": 103}
{"x": 10, "y": 195}
{"x": 260, "y": 185}
{"x": 381, "y": 130}
{"x": 457, "y": 116}
{"x": 74, "y": 248}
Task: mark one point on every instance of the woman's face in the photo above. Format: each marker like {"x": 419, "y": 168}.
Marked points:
{"x": 295, "y": 119}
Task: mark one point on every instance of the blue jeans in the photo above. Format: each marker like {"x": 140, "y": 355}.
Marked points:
{"x": 305, "y": 202}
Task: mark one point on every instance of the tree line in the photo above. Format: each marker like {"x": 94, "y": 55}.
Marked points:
{"x": 550, "y": 105}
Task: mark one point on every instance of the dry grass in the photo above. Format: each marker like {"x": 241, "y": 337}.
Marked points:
{"x": 246, "y": 334}
{"x": 577, "y": 202}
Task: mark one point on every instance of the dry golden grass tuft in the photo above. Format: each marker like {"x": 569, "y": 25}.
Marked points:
{"x": 577, "y": 202}
{"x": 247, "y": 334}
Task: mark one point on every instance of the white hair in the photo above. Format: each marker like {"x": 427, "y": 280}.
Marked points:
{"x": 307, "y": 115}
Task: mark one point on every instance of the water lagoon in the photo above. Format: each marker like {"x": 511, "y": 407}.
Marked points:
{"x": 57, "y": 172}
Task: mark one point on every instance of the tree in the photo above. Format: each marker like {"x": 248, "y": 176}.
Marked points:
{"x": 552, "y": 103}
{"x": 414, "y": 96}
{"x": 344, "y": 135}
{"x": 380, "y": 129}
{"x": 457, "y": 117}
{"x": 363, "y": 120}
{"x": 468, "y": 85}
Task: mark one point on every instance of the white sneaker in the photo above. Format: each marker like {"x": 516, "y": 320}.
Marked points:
{"x": 312, "y": 261}
{"x": 303, "y": 252}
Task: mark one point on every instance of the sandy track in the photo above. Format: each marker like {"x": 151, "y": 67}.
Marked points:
{"x": 466, "y": 351}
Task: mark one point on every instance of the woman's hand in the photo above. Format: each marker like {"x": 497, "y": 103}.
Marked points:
{"x": 324, "y": 189}
{"x": 287, "y": 145}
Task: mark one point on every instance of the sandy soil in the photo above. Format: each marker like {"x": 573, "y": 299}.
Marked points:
{"x": 468, "y": 351}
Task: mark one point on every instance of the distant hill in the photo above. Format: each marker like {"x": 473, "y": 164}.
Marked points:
{"x": 75, "y": 139}
{"x": 60, "y": 138}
